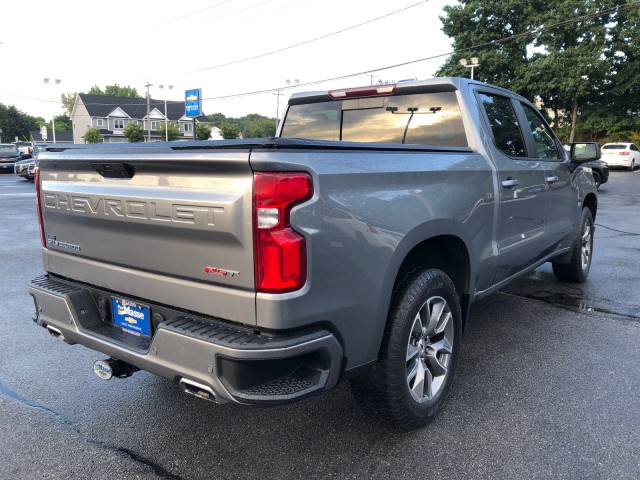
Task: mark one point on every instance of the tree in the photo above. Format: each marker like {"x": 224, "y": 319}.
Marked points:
{"x": 115, "y": 91}
{"x": 15, "y": 123}
{"x": 479, "y": 29}
{"x": 229, "y": 130}
{"x": 63, "y": 123}
{"x": 573, "y": 67}
{"x": 68, "y": 100}
{"x": 203, "y": 131}
{"x": 92, "y": 136}
{"x": 134, "y": 132}
{"x": 217, "y": 119}
{"x": 577, "y": 70}
{"x": 173, "y": 132}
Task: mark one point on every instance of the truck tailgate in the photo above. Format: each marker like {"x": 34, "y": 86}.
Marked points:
{"x": 175, "y": 228}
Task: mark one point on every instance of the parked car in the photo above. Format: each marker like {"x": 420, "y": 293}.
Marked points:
{"x": 9, "y": 155}
{"x": 26, "y": 148}
{"x": 599, "y": 169}
{"x": 25, "y": 168}
{"x": 621, "y": 155}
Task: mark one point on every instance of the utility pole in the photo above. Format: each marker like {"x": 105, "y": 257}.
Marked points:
{"x": 148, "y": 111}
{"x": 372, "y": 77}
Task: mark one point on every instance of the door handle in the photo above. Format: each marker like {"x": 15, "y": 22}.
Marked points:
{"x": 510, "y": 183}
{"x": 553, "y": 179}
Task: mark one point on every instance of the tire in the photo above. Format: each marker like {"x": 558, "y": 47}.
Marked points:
{"x": 597, "y": 178}
{"x": 577, "y": 270}
{"x": 633, "y": 165}
{"x": 413, "y": 374}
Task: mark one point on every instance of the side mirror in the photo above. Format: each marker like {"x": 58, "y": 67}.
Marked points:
{"x": 584, "y": 151}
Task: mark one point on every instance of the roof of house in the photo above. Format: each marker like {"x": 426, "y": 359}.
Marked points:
{"x": 61, "y": 137}
{"x": 102, "y": 106}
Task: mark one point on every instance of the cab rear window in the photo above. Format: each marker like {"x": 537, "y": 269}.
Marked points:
{"x": 416, "y": 119}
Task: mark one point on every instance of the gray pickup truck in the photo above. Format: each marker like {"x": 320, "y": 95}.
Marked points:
{"x": 263, "y": 271}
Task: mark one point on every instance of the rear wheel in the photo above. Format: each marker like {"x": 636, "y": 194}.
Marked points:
{"x": 578, "y": 268}
{"x": 414, "y": 372}
{"x": 597, "y": 178}
{"x": 633, "y": 165}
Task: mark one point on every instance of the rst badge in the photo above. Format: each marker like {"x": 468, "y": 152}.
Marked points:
{"x": 54, "y": 242}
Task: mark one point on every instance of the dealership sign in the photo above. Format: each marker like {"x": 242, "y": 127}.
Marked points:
{"x": 192, "y": 103}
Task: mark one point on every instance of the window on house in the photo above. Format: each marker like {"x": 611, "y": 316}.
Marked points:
{"x": 100, "y": 122}
{"x": 118, "y": 124}
{"x": 188, "y": 127}
{"x": 155, "y": 125}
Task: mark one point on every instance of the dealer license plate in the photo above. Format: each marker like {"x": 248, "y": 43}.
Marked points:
{"x": 131, "y": 316}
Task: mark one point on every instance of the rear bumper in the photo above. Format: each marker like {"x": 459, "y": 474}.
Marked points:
{"x": 237, "y": 364}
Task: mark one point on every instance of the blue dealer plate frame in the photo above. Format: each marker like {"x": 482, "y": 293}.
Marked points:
{"x": 132, "y": 317}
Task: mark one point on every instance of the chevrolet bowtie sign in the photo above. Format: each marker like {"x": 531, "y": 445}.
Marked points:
{"x": 192, "y": 103}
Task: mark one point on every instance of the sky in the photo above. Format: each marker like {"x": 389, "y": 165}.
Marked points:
{"x": 224, "y": 47}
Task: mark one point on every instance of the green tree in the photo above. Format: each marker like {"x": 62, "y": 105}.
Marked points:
{"x": 92, "y": 136}
{"x": 63, "y": 123}
{"x": 217, "y": 119}
{"x": 134, "y": 132}
{"x": 172, "y": 132}
{"x": 115, "y": 91}
{"x": 68, "y": 100}
{"x": 573, "y": 69}
{"x": 15, "y": 123}
{"x": 229, "y": 130}
{"x": 486, "y": 29}
{"x": 203, "y": 131}
{"x": 578, "y": 70}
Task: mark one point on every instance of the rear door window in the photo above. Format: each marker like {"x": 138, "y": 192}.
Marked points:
{"x": 504, "y": 124}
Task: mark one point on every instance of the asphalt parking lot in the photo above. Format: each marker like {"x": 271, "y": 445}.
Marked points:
{"x": 548, "y": 387}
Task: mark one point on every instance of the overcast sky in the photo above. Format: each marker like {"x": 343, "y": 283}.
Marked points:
{"x": 210, "y": 45}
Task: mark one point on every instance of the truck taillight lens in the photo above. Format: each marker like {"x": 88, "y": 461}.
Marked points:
{"x": 36, "y": 177}
{"x": 279, "y": 251}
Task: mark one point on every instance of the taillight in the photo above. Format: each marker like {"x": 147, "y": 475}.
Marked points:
{"x": 624, "y": 153}
{"x": 279, "y": 252}
{"x": 36, "y": 177}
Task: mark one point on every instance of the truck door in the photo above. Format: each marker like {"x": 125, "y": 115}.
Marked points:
{"x": 520, "y": 228}
{"x": 561, "y": 195}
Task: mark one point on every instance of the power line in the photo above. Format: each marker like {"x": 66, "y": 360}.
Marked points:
{"x": 308, "y": 41}
{"x": 194, "y": 13}
{"x": 433, "y": 57}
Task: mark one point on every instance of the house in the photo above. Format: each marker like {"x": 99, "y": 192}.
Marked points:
{"x": 112, "y": 114}
{"x": 35, "y": 136}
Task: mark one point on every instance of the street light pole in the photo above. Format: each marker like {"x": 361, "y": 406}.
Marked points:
{"x": 474, "y": 63}
{"x": 166, "y": 119}
{"x": 290, "y": 83}
{"x": 55, "y": 83}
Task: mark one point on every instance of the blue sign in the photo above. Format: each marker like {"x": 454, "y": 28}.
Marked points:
{"x": 192, "y": 103}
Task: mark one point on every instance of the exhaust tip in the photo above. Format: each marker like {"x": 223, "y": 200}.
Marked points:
{"x": 54, "y": 332}
{"x": 198, "y": 390}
